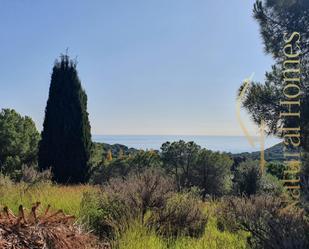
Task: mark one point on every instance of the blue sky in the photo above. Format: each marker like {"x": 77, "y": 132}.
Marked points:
{"x": 148, "y": 67}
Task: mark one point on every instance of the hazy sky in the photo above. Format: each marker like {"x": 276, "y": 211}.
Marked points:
{"x": 148, "y": 67}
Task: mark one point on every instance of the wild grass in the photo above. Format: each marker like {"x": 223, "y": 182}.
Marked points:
{"x": 136, "y": 236}
{"x": 67, "y": 198}
{"x": 139, "y": 237}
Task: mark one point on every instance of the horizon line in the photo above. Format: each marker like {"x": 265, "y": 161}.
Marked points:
{"x": 209, "y": 135}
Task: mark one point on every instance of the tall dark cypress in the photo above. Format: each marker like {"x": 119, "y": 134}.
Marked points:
{"x": 66, "y": 138}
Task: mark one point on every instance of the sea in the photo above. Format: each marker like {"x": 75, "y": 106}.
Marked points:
{"x": 233, "y": 144}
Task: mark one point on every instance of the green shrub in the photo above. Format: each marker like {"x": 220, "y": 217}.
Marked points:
{"x": 276, "y": 169}
{"x": 270, "y": 185}
{"x": 247, "y": 178}
{"x": 105, "y": 216}
{"x": 181, "y": 215}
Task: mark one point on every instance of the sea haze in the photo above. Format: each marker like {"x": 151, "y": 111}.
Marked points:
{"x": 233, "y": 144}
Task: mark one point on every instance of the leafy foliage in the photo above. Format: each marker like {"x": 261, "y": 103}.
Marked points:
{"x": 192, "y": 166}
{"x": 271, "y": 185}
{"x": 144, "y": 159}
{"x": 125, "y": 164}
{"x": 247, "y": 178}
{"x": 276, "y": 169}
{"x": 178, "y": 159}
{"x": 18, "y": 142}
{"x": 213, "y": 173}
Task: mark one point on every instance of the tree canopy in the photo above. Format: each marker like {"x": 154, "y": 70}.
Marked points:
{"x": 18, "y": 141}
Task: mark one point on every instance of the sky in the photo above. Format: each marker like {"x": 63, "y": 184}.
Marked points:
{"x": 148, "y": 67}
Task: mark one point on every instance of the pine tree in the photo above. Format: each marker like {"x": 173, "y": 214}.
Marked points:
{"x": 278, "y": 19}
{"x": 66, "y": 137}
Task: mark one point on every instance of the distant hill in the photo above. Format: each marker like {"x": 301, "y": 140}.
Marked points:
{"x": 274, "y": 153}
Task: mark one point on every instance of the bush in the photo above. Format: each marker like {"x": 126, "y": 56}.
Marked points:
{"x": 247, "y": 178}
{"x": 181, "y": 215}
{"x": 123, "y": 200}
{"x": 5, "y": 181}
{"x": 106, "y": 217}
{"x": 98, "y": 175}
{"x": 32, "y": 176}
{"x": 249, "y": 181}
{"x": 270, "y": 185}
{"x": 271, "y": 223}
{"x": 276, "y": 169}
{"x": 141, "y": 191}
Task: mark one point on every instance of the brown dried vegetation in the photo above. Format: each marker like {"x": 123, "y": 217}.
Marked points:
{"x": 47, "y": 230}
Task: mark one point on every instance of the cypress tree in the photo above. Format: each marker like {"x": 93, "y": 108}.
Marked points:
{"x": 66, "y": 138}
